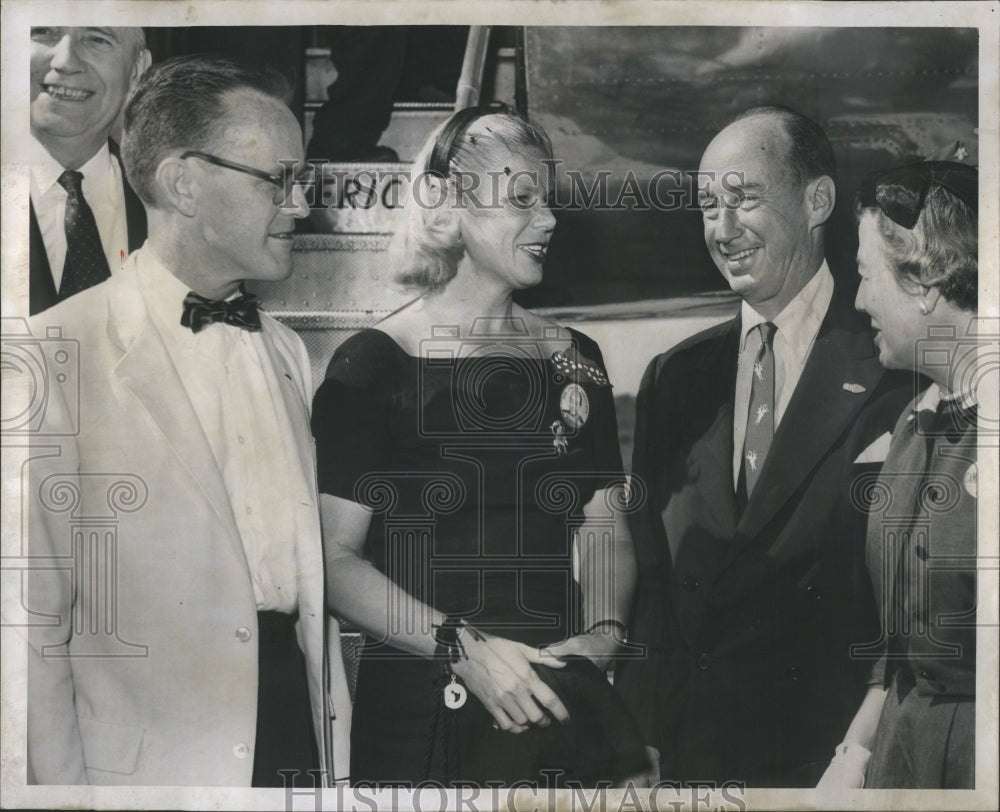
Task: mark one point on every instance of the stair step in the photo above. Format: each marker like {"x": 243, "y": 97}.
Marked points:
{"x": 359, "y": 198}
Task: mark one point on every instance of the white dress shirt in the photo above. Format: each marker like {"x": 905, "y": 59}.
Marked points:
{"x": 235, "y": 391}
{"x": 797, "y": 327}
{"x": 104, "y": 192}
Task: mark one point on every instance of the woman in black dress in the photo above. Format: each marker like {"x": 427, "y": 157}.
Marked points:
{"x": 472, "y": 492}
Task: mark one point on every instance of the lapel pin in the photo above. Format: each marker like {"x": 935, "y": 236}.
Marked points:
{"x": 855, "y": 388}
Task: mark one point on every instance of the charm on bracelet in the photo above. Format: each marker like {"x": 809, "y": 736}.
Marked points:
{"x": 454, "y": 694}
{"x": 559, "y": 441}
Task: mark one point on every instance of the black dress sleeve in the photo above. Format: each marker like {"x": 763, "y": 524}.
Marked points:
{"x": 351, "y": 413}
{"x": 603, "y": 432}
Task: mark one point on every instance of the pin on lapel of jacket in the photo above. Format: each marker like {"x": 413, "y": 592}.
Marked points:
{"x": 854, "y": 388}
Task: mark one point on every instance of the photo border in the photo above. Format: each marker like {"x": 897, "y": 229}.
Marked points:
{"x": 19, "y": 15}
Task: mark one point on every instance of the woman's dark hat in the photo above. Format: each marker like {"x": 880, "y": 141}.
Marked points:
{"x": 900, "y": 192}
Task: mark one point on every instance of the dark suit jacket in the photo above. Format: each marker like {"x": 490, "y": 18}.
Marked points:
{"x": 747, "y": 675}
{"x": 42, "y": 293}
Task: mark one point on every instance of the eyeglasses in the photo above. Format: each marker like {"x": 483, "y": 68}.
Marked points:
{"x": 900, "y": 193}
{"x": 285, "y": 182}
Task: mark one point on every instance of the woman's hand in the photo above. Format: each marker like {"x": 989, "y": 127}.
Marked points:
{"x": 599, "y": 646}
{"x": 850, "y": 758}
{"x": 498, "y": 671}
{"x": 846, "y": 770}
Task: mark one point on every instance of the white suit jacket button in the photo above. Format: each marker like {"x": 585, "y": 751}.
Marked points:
{"x": 243, "y": 634}
{"x": 241, "y": 750}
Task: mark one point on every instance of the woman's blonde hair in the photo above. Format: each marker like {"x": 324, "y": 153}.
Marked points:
{"x": 427, "y": 248}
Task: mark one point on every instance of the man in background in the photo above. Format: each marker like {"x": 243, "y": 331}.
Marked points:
{"x": 84, "y": 217}
{"x": 749, "y": 435}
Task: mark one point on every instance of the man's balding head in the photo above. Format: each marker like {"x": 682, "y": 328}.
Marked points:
{"x": 809, "y": 155}
{"x": 770, "y": 192}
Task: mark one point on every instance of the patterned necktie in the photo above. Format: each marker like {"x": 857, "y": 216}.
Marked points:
{"x": 86, "y": 264}
{"x": 760, "y": 415}
{"x": 240, "y": 312}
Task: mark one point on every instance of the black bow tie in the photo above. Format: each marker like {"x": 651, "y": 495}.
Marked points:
{"x": 950, "y": 419}
{"x": 240, "y": 312}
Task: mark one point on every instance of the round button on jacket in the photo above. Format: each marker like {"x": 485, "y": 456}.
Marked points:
{"x": 241, "y": 750}
{"x": 704, "y": 661}
{"x": 243, "y": 634}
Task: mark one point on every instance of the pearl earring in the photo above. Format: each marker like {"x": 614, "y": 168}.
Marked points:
{"x": 923, "y": 308}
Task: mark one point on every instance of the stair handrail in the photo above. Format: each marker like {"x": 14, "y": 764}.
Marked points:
{"x": 473, "y": 67}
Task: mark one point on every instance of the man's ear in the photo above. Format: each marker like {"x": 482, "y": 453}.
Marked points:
{"x": 143, "y": 60}
{"x": 175, "y": 187}
{"x": 821, "y": 197}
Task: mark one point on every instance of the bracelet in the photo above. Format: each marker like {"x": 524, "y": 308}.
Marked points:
{"x": 473, "y": 632}
{"x": 447, "y": 635}
{"x": 617, "y": 624}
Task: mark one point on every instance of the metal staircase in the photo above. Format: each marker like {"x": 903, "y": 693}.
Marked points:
{"x": 341, "y": 282}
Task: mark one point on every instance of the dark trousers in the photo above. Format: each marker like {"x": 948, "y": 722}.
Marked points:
{"x": 285, "y": 734}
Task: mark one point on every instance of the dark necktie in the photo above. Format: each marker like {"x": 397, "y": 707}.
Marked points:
{"x": 760, "y": 415}
{"x": 240, "y": 312}
{"x": 86, "y": 264}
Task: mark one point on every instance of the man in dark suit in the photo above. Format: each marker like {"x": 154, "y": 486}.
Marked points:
{"x": 84, "y": 217}
{"x": 748, "y": 437}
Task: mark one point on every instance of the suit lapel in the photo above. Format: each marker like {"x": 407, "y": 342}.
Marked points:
{"x": 716, "y": 381}
{"x": 725, "y": 365}
{"x": 697, "y": 413}
{"x": 291, "y": 394}
{"x": 135, "y": 212}
{"x": 41, "y": 288}
{"x": 147, "y": 371}
{"x": 819, "y": 412}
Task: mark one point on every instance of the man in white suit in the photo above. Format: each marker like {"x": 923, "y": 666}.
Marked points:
{"x": 178, "y": 609}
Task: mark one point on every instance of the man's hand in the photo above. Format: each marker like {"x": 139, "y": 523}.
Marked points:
{"x": 599, "y": 646}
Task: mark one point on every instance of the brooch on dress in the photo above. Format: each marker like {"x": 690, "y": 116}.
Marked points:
{"x": 559, "y": 441}
{"x": 571, "y": 364}
{"x": 574, "y": 404}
